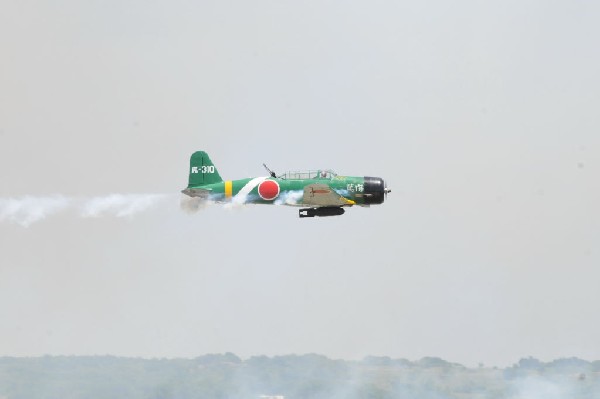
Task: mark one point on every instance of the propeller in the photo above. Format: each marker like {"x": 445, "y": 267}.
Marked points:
{"x": 273, "y": 175}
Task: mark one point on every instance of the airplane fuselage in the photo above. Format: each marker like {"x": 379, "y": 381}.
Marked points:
{"x": 356, "y": 190}
{"x": 323, "y": 191}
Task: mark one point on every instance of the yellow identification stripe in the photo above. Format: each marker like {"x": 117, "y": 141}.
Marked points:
{"x": 228, "y": 189}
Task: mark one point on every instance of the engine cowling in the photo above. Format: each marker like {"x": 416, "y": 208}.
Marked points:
{"x": 374, "y": 190}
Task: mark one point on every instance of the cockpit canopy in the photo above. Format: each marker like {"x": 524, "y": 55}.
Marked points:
{"x": 326, "y": 174}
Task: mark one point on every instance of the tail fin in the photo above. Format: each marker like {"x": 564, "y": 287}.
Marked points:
{"x": 202, "y": 170}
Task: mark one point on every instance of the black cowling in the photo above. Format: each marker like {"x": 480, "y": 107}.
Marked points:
{"x": 374, "y": 190}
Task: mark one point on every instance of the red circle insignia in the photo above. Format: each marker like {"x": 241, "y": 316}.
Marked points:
{"x": 268, "y": 190}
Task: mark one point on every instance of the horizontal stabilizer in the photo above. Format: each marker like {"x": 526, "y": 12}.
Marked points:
{"x": 197, "y": 192}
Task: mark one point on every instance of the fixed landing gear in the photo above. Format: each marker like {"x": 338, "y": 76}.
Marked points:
{"x": 323, "y": 211}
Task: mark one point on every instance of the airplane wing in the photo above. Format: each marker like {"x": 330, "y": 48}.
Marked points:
{"x": 320, "y": 194}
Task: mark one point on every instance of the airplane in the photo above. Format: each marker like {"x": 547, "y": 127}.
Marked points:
{"x": 322, "y": 192}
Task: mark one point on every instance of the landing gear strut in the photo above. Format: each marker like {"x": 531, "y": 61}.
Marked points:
{"x": 323, "y": 211}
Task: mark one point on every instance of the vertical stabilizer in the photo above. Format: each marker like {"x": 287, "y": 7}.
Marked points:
{"x": 202, "y": 170}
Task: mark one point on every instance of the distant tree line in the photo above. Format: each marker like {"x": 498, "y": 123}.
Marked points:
{"x": 226, "y": 376}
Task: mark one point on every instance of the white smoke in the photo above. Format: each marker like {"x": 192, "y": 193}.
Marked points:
{"x": 290, "y": 198}
{"x": 192, "y": 205}
{"x": 238, "y": 201}
{"x": 540, "y": 388}
{"x": 286, "y": 198}
{"x": 121, "y": 205}
{"x": 27, "y": 210}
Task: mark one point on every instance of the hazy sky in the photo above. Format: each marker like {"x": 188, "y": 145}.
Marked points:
{"x": 482, "y": 116}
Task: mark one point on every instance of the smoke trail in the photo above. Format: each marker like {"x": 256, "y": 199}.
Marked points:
{"x": 27, "y": 210}
{"x": 290, "y": 198}
{"x": 192, "y": 205}
{"x": 238, "y": 201}
{"x": 121, "y": 205}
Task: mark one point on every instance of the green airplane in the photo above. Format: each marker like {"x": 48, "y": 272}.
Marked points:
{"x": 322, "y": 192}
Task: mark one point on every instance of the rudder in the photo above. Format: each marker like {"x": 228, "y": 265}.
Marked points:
{"x": 202, "y": 170}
